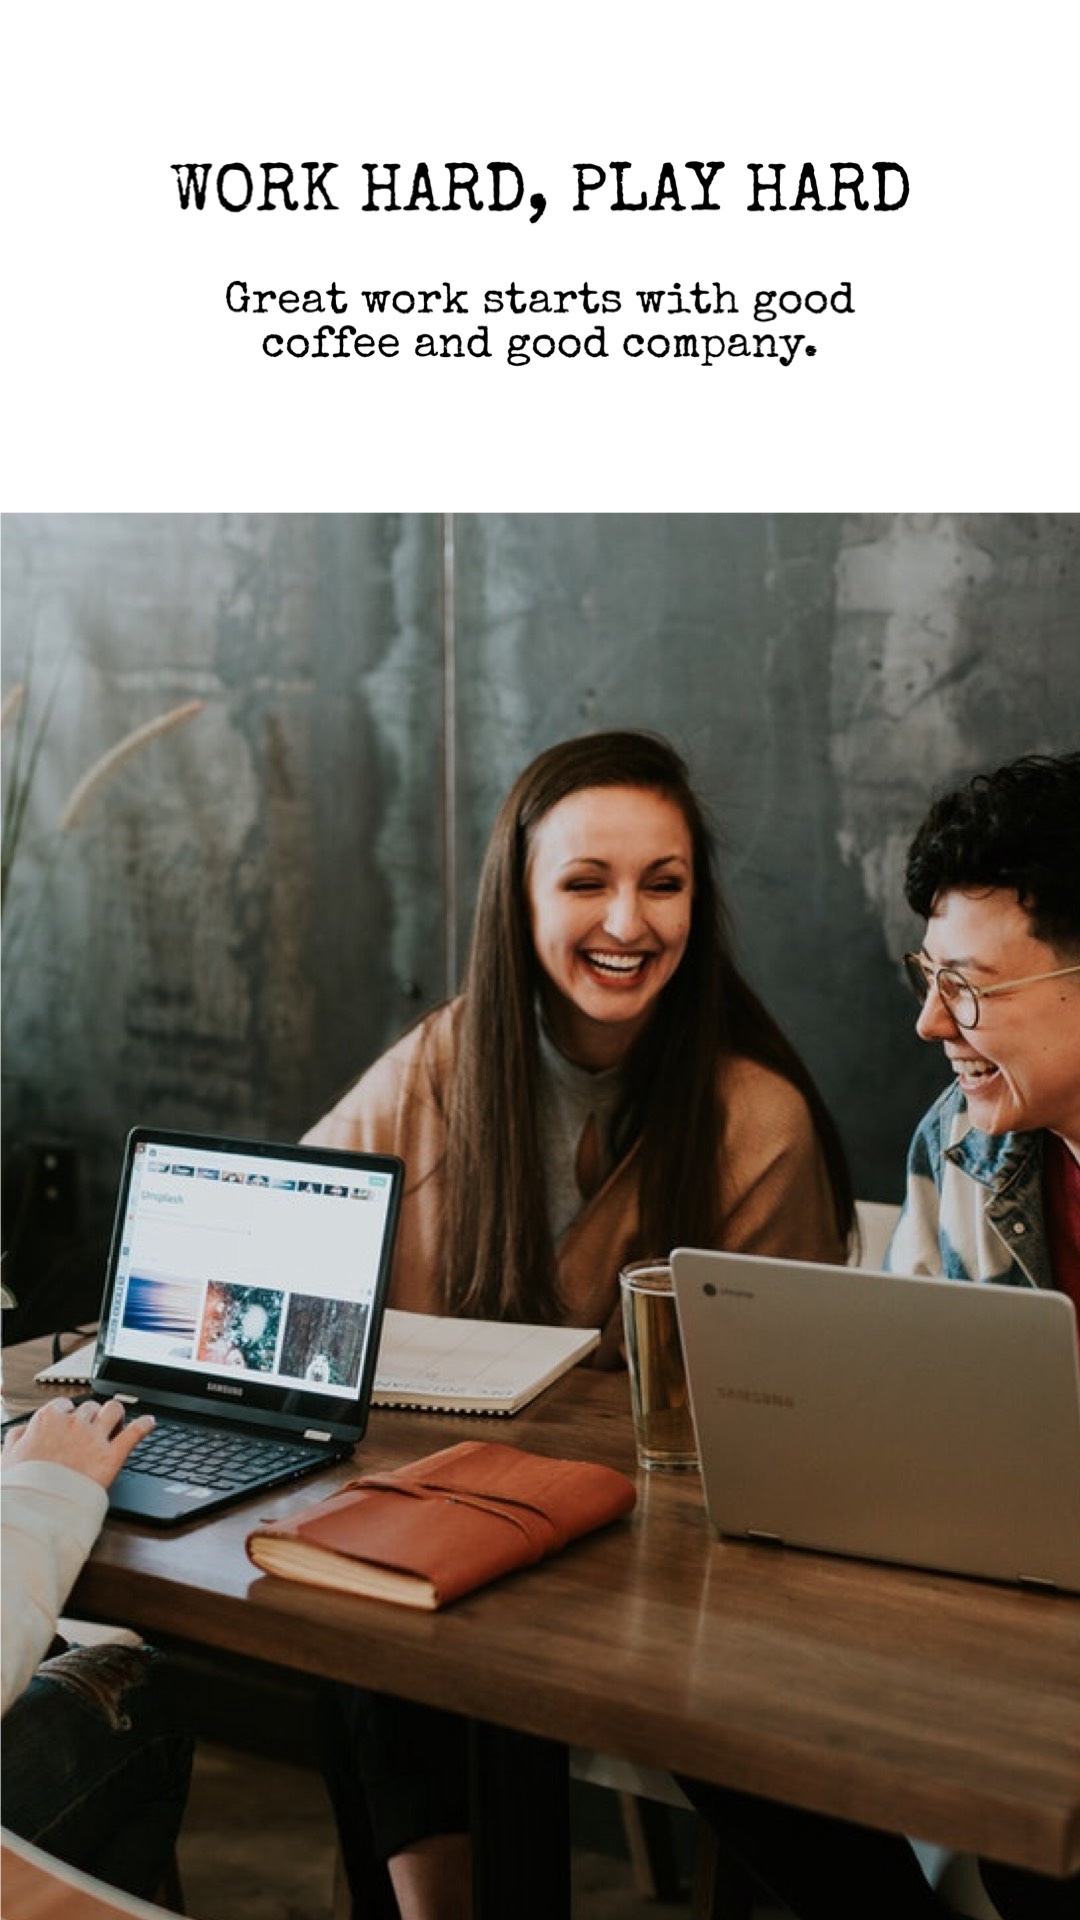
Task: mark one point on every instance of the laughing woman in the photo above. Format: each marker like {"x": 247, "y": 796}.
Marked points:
{"x": 606, "y": 1086}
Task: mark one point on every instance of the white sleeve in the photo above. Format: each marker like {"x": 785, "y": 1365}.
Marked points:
{"x": 50, "y": 1517}
{"x": 915, "y": 1246}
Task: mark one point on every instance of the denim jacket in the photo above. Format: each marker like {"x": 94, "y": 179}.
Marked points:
{"x": 973, "y": 1208}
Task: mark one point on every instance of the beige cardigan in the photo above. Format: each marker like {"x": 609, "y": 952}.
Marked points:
{"x": 775, "y": 1192}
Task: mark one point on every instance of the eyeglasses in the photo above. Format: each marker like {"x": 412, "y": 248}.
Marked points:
{"x": 957, "y": 994}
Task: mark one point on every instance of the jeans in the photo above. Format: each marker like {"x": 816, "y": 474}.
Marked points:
{"x": 95, "y": 1764}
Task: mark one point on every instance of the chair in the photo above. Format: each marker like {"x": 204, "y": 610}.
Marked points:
{"x": 646, "y": 1795}
{"x": 37, "y": 1887}
{"x": 876, "y": 1220}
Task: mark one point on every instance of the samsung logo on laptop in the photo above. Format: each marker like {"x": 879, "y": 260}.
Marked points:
{"x": 756, "y": 1396}
{"x": 225, "y": 1386}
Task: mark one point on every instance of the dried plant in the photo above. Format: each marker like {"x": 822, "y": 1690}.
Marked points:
{"x": 23, "y": 758}
{"x": 12, "y": 702}
{"x": 82, "y": 794}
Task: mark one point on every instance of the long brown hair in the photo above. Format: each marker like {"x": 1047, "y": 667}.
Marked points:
{"x": 500, "y": 1259}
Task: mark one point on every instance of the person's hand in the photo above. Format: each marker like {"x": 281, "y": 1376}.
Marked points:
{"x": 92, "y": 1438}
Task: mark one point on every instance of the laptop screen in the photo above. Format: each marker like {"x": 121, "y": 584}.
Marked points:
{"x": 248, "y": 1273}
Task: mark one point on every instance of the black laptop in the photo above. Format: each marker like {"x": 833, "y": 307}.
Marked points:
{"x": 243, "y": 1307}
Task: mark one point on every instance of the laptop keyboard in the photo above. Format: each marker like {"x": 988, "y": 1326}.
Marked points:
{"x": 201, "y": 1457}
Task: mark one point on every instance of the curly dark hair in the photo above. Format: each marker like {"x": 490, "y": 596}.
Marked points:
{"x": 1017, "y": 828}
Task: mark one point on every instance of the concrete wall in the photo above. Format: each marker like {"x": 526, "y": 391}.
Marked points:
{"x": 257, "y": 901}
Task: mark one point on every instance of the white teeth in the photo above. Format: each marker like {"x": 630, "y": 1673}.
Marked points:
{"x": 972, "y": 1069}
{"x": 619, "y": 963}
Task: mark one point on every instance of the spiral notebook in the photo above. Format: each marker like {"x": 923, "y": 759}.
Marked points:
{"x": 441, "y": 1365}
{"x": 74, "y": 1369}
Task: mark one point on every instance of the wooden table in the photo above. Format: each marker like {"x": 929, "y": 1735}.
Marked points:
{"x": 928, "y": 1705}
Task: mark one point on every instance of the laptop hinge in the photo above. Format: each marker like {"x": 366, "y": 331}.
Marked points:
{"x": 769, "y": 1539}
{"x": 1033, "y": 1580}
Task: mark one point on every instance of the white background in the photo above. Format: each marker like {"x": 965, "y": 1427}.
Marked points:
{"x": 128, "y": 385}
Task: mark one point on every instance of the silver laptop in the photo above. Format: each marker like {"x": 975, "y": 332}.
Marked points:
{"x": 927, "y": 1422}
{"x": 243, "y": 1306}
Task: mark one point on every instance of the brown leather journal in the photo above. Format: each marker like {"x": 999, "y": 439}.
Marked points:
{"x": 426, "y": 1533}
